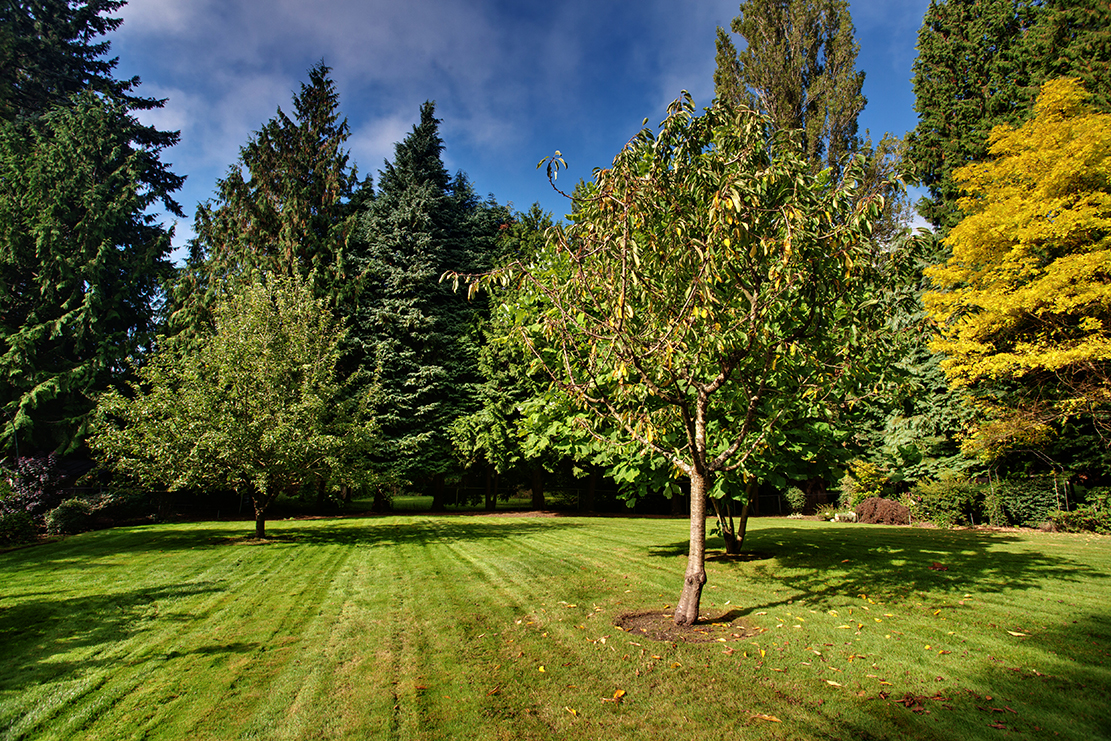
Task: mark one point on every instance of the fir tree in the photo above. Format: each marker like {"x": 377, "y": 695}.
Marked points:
{"x": 417, "y": 334}
{"x": 1071, "y": 38}
{"x": 81, "y": 261}
{"x": 969, "y": 76}
{"x": 285, "y": 208}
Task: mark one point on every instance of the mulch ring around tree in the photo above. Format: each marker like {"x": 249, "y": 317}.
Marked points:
{"x": 660, "y": 626}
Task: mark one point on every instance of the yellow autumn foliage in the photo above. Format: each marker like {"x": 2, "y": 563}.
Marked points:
{"x": 1025, "y": 298}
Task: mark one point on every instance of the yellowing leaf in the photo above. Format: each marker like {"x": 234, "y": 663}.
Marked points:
{"x": 543, "y": 669}
{"x": 764, "y": 716}
{"x": 832, "y": 683}
{"x": 572, "y": 711}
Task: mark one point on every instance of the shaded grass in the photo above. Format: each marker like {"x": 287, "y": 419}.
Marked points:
{"x": 429, "y": 628}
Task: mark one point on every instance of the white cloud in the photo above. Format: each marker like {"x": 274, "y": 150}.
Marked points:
{"x": 161, "y": 16}
{"x": 373, "y": 143}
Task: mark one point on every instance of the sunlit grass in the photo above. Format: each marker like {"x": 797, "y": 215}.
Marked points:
{"x": 414, "y": 627}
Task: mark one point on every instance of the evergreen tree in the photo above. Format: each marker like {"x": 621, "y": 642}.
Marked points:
{"x": 970, "y": 75}
{"x": 494, "y": 435}
{"x": 51, "y": 50}
{"x": 1071, "y": 39}
{"x": 81, "y": 261}
{"x": 291, "y": 212}
{"x": 417, "y": 334}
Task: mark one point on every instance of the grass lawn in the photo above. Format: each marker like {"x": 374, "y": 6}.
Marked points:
{"x": 462, "y": 627}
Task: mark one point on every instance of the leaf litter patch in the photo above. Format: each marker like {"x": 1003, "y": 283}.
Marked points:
{"x": 660, "y": 626}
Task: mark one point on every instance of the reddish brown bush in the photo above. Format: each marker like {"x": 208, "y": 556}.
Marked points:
{"x": 877, "y": 511}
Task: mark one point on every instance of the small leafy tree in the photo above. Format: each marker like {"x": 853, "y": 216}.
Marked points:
{"x": 254, "y": 406}
{"x": 709, "y": 288}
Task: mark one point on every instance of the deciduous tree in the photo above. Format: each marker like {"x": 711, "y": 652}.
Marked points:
{"x": 709, "y": 288}
{"x": 1024, "y": 303}
{"x": 798, "y": 66}
{"x": 253, "y": 406}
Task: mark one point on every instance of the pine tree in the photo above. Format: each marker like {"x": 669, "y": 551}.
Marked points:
{"x": 82, "y": 263}
{"x": 417, "y": 334}
{"x": 291, "y": 213}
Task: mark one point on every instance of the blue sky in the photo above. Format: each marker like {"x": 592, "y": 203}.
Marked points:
{"x": 512, "y": 81}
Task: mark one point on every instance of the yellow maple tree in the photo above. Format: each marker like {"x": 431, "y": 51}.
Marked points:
{"x": 1023, "y": 306}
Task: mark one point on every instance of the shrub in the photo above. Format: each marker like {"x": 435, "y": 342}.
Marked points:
{"x": 796, "y": 499}
{"x": 71, "y": 516}
{"x": 862, "y": 481}
{"x": 994, "y": 511}
{"x": 953, "y": 500}
{"x": 877, "y": 511}
{"x": 1093, "y": 516}
{"x": 1028, "y": 501}
{"x": 35, "y": 485}
{"x": 827, "y": 512}
{"x": 17, "y": 527}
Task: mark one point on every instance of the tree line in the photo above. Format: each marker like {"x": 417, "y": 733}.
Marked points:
{"x": 735, "y": 302}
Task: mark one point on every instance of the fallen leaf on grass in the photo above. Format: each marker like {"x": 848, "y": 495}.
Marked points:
{"x": 832, "y": 683}
{"x": 572, "y": 711}
{"x": 616, "y": 699}
{"x": 543, "y": 670}
{"x": 938, "y": 567}
{"x": 494, "y": 691}
{"x": 764, "y": 716}
{"x": 1020, "y": 635}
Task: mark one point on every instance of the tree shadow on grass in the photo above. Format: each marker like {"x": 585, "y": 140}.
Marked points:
{"x": 1063, "y": 696}
{"x": 1063, "y": 685}
{"x": 88, "y": 548}
{"x": 820, "y": 564}
{"x": 387, "y": 532}
{"x": 35, "y": 632}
